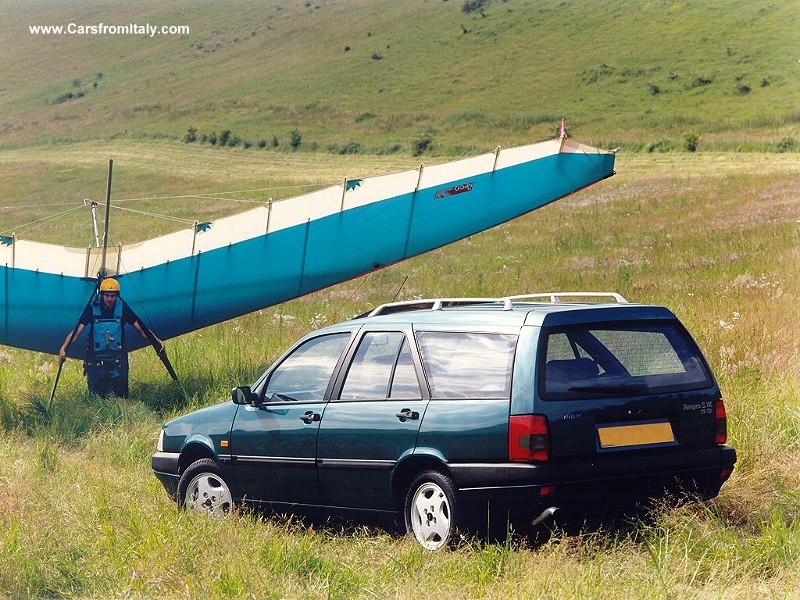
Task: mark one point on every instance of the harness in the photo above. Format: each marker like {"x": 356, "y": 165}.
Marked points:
{"x": 107, "y": 333}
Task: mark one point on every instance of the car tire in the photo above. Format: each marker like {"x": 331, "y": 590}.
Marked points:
{"x": 202, "y": 488}
{"x": 431, "y": 510}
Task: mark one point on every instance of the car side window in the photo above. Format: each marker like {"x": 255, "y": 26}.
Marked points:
{"x": 467, "y": 365}
{"x": 305, "y": 373}
{"x": 381, "y": 368}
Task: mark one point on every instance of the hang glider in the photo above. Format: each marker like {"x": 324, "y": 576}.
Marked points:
{"x": 235, "y": 265}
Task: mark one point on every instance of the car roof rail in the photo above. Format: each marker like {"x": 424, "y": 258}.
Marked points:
{"x": 434, "y": 304}
{"x": 505, "y": 303}
{"x": 557, "y": 297}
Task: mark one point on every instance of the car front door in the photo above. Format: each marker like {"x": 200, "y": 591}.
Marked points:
{"x": 372, "y": 423}
{"x": 273, "y": 444}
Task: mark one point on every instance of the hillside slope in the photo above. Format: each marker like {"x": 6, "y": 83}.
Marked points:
{"x": 372, "y": 74}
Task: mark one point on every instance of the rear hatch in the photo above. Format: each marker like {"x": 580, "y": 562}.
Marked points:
{"x": 624, "y": 386}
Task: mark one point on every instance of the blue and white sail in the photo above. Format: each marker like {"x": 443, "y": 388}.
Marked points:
{"x": 212, "y": 272}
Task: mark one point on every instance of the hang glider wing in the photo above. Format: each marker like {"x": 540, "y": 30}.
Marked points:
{"x": 206, "y": 274}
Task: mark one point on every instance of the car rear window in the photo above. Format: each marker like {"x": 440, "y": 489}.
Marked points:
{"x": 619, "y": 359}
{"x": 467, "y": 365}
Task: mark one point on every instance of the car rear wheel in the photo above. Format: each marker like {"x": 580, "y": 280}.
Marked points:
{"x": 431, "y": 510}
{"x": 202, "y": 488}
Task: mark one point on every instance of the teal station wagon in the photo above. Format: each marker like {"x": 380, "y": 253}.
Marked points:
{"x": 441, "y": 410}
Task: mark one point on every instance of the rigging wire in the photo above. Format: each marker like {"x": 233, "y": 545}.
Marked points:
{"x": 30, "y": 226}
{"x": 27, "y": 206}
{"x": 156, "y": 215}
{"x": 26, "y": 227}
{"x": 217, "y": 195}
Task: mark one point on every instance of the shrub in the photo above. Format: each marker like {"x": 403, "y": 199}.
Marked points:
{"x": 742, "y": 89}
{"x": 701, "y": 80}
{"x": 224, "y": 137}
{"x": 295, "y": 139}
{"x": 275, "y": 142}
{"x": 690, "y": 141}
{"x": 473, "y": 5}
{"x": 661, "y": 145}
{"x": 421, "y": 143}
{"x": 346, "y": 148}
{"x": 191, "y": 135}
{"x": 787, "y": 144}
{"x": 262, "y": 143}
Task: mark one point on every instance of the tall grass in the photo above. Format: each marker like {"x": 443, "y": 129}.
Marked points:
{"x": 713, "y": 237}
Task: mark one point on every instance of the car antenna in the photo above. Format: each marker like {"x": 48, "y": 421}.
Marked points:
{"x": 400, "y": 288}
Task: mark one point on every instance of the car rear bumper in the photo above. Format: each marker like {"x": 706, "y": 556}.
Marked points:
{"x": 165, "y": 468}
{"x": 604, "y": 482}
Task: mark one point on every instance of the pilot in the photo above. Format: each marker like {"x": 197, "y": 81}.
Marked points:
{"x": 106, "y": 363}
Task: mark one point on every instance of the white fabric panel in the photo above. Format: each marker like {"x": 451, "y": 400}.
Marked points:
{"x": 284, "y": 213}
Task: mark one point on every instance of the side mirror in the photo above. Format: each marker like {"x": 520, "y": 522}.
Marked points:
{"x": 243, "y": 395}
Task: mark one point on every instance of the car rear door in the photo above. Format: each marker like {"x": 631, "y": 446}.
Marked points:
{"x": 273, "y": 445}
{"x": 372, "y": 423}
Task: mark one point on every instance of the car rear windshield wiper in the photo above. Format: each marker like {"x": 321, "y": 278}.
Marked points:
{"x": 630, "y": 389}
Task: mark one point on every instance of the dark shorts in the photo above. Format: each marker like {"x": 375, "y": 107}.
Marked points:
{"x": 107, "y": 377}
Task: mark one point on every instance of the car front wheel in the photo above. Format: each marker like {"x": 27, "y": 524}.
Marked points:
{"x": 432, "y": 514}
{"x": 202, "y": 488}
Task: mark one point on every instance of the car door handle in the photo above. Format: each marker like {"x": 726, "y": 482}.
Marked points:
{"x": 310, "y": 416}
{"x": 407, "y": 414}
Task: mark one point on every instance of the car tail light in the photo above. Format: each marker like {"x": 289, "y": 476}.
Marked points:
{"x": 721, "y": 433}
{"x": 528, "y": 438}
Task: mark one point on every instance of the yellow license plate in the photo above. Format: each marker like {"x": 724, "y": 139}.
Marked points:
{"x": 635, "y": 435}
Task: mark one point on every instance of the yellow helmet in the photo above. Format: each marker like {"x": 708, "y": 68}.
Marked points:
{"x": 109, "y": 285}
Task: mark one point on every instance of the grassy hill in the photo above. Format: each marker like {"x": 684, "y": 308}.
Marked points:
{"x": 371, "y": 76}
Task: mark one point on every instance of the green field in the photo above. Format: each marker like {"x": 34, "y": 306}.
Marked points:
{"x": 712, "y": 234}
{"x": 714, "y": 237}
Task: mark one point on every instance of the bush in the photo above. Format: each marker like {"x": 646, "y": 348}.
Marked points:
{"x": 690, "y": 141}
{"x": 787, "y": 144}
{"x": 473, "y": 5}
{"x": 346, "y": 148}
{"x": 295, "y": 139}
{"x": 191, "y": 135}
{"x": 701, "y": 80}
{"x": 421, "y": 143}
{"x": 661, "y": 146}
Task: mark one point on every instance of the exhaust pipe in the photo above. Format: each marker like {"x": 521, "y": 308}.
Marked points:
{"x": 546, "y": 515}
